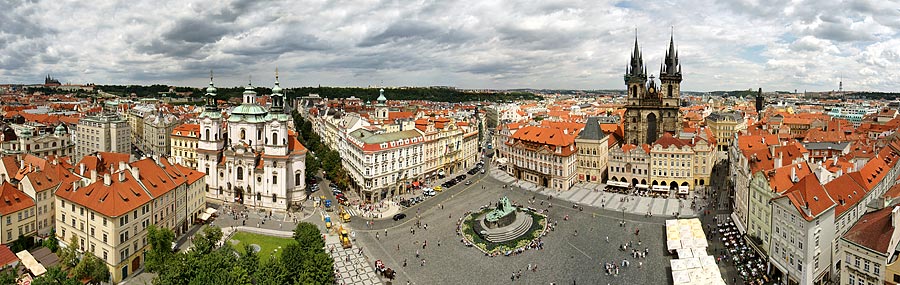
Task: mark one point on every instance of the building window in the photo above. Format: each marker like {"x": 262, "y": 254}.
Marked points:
{"x": 274, "y": 198}
{"x": 240, "y": 173}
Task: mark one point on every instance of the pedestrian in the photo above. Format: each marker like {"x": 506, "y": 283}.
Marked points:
{"x": 385, "y": 232}
{"x": 607, "y": 239}
{"x": 423, "y": 262}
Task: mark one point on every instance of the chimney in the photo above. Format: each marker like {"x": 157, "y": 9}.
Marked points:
{"x": 895, "y": 217}
{"x": 121, "y": 165}
{"x": 793, "y": 175}
{"x": 779, "y": 160}
{"x": 75, "y": 185}
{"x": 121, "y": 175}
{"x": 136, "y": 173}
{"x": 772, "y": 150}
{"x": 93, "y": 175}
{"x": 106, "y": 179}
{"x": 81, "y": 169}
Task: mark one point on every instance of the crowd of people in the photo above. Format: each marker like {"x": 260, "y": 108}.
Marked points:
{"x": 750, "y": 266}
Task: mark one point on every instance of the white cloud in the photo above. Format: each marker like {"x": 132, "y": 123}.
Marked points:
{"x": 722, "y": 45}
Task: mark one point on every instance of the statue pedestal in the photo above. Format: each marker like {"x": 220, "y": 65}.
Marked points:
{"x": 518, "y": 224}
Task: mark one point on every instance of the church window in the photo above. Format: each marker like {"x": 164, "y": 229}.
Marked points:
{"x": 274, "y": 138}
{"x": 207, "y": 134}
{"x": 243, "y": 133}
{"x": 274, "y": 197}
{"x": 274, "y": 179}
{"x": 259, "y": 135}
{"x": 670, "y": 91}
{"x": 240, "y": 173}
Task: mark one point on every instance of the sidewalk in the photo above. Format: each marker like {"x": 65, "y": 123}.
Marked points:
{"x": 592, "y": 194}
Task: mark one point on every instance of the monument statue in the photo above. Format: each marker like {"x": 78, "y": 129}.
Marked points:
{"x": 500, "y": 216}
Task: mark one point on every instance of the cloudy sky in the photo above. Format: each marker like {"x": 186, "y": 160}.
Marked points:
{"x": 723, "y": 45}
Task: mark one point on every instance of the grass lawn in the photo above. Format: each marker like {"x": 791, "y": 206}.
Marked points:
{"x": 268, "y": 244}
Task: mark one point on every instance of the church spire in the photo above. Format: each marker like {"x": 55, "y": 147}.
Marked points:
{"x": 637, "y": 67}
{"x": 277, "y": 97}
{"x": 211, "y": 94}
{"x": 672, "y": 67}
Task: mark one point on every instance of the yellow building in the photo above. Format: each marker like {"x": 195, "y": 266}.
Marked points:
{"x": 17, "y": 216}
{"x": 108, "y": 213}
{"x": 724, "y": 125}
{"x": 184, "y": 144}
{"x": 679, "y": 164}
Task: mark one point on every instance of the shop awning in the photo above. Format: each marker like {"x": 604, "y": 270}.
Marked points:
{"x": 645, "y": 186}
{"x": 36, "y": 268}
{"x": 617, "y": 183}
{"x": 659, "y": 188}
{"x": 211, "y": 211}
{"x": 204, "y": 216}
{"x": 683, "y": 189}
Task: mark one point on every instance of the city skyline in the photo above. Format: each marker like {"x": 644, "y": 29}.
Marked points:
{"x": 467, "y": 44}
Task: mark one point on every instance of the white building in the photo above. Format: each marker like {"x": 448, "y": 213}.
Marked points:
{"x": 258, "y": 161}
{"x": 383, "y": 165}
{"x": 102, "y": 133}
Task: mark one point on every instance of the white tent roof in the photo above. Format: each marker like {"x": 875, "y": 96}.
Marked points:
{"x": 32, "y": 264}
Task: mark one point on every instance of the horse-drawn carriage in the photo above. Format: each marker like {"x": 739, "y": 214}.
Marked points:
{"x": 384, "y": 271}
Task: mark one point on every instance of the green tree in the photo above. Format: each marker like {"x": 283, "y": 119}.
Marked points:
{"x": 22, "y": 243}
{"x": 206, "y": 240}
{"x": 91, "y": 267}
{"x": 272, "y": 272}
{"x": 312, "y": 165}
{"x": 308, "y": 236}
{"x": 55, "y": 276}
{"x": 68, "y": 257}
{"x": 51, "y": 242}
{"x": 160, "y": 248}
{"x": 8, "y": 276}
{"x": 250, "y": 260}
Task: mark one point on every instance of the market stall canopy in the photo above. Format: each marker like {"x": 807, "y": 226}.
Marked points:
{"x": 211, "y": 211}
{"x": 36, "y": 268}
{"x": 204, "y": 216}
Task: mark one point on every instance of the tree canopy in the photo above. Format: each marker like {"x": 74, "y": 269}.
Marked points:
{"x": 208, "y": 264}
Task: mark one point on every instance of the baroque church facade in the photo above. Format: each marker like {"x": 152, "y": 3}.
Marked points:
{"x": 652, "y": 111}
{"x": 251, "y": 157}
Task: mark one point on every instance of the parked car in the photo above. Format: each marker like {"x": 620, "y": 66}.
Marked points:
{"x": 468, "y": 182}
{"x": 399, "y": 216}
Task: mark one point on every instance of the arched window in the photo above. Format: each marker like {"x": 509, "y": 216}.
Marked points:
{"x": 207, "y": 134}
{"x": 240, "y": 173}
{"x": 243, "y": 133}
{"x": 274, "y": 138}
{"x": 54, "y": 144}
{"x": 670, "y": 91}
{"x": 274, "y": 197}
{"x": 259, "y": 134}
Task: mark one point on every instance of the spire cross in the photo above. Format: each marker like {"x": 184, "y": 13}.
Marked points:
{"x": 276, "y": 74}
{"x": 210, "y": 76}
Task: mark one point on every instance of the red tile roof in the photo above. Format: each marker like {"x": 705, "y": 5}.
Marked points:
{"x": 846, "y": 192}
{"x": 7, "y": 257}
{"x": 114, "y": 200}
{"x": 873, "y": 231}
{"x": 668, "y": 140}
{"x": 809, "y": 197}
{"x": 102, "y": 162}
{"x": 12, "y": 200}
{"x": 11, "y": 165}
{"x": 185, "y": 130}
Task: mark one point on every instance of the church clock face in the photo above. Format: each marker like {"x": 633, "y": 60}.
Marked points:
{"x": 652, "y": 90}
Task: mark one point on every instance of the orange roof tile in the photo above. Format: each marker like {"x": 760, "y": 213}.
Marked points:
{"x": 809, "y": 195}
{"x": 114, "y": 200}
{"x": 185, "y": 130}
{"x": 12, "y": 200}
{"x": 847, "y": 193}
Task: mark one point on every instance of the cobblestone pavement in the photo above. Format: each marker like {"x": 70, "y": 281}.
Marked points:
{"x": 592, "y": 194}
{"x": 353, "y": 268}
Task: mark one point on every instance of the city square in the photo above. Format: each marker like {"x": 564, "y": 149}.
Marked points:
{"x": 566, "y": 256}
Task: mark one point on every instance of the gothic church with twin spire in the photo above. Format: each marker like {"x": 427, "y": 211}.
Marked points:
{"x": 651, "y": 111}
